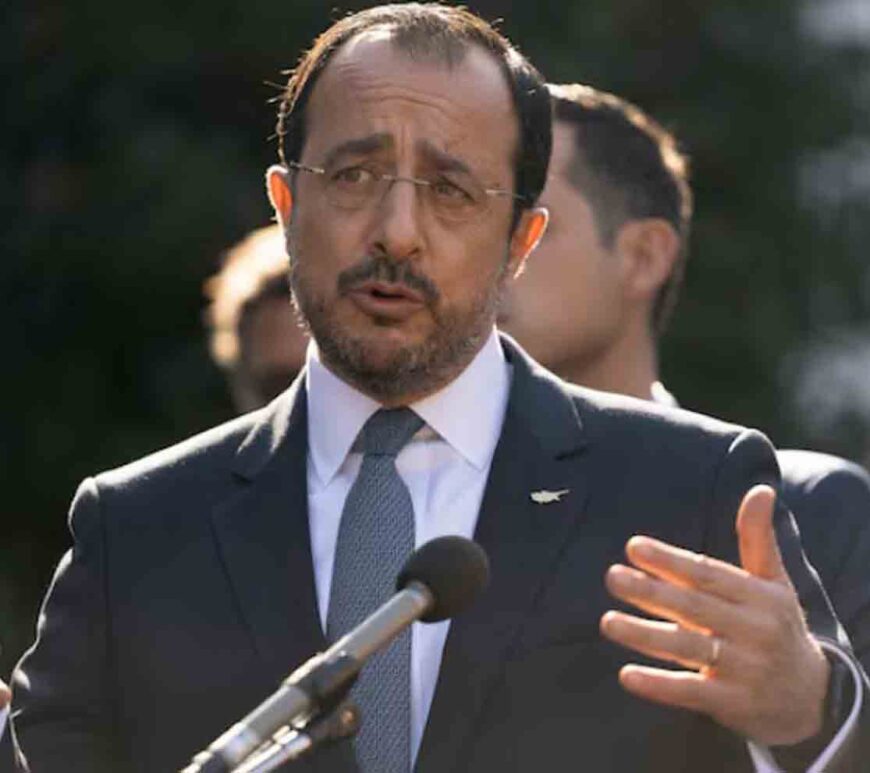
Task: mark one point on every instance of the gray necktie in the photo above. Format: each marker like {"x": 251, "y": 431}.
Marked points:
{"x": 375, "y": 537}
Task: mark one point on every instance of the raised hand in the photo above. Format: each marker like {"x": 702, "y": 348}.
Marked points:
{"x": 753, "y": 665}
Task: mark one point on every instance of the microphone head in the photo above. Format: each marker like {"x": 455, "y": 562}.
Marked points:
{"x": 455, "y": 569}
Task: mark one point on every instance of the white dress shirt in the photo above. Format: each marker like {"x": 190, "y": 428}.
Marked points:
{"x": 445, "y": 467}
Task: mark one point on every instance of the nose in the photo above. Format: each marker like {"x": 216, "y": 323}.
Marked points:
{"x": 399, "y": 229}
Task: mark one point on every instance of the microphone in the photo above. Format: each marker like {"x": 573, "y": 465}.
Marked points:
{"x": 438, "y": 581}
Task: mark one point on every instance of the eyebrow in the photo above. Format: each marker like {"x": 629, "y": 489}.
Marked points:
{"x": 358, "y": 147}
{"x": 444, "y": 161}
{"x": 362, "y": 146}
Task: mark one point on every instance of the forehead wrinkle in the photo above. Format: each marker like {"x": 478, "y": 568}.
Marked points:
{"x": 442, "y": 158}
{"x": 382, "y": 90}
{"x": 447, "y": 116}
{"x": 376, "y": 80}
{"x": 379, "y": 93}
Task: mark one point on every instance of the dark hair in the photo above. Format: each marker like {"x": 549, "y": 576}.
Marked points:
{"x": 628, "y": 167}
{"x": 430, "y": 29}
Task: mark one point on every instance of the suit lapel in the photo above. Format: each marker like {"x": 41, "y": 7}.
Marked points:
{"x": 539, "y": 450}
{"x": 263, "y": 537}
{"x": 264, "y": 541}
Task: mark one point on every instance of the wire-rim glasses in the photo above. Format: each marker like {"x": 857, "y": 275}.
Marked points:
{"x": 452, "y": 198}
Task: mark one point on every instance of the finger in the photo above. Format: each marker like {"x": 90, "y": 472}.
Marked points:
{"x": 668, "y": 641}
{"x": 684, "y": 689}
{"x": 694, "y": 570}
{"x": 5, "y": 695}
{"x": 759, "y": 550}
{"x": 690, "y": 608}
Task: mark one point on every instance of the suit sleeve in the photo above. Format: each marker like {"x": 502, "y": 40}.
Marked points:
{"x": 61, "y": 714}
{"x": 835, "y": 506}
{"x": 751, "y": 460}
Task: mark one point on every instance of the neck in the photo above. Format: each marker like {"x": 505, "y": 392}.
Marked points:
{"x": 398, "y": 388}
{"x": 629, "y": 367}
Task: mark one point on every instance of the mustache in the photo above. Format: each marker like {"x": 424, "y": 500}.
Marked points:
{"x": 380, "y": 268}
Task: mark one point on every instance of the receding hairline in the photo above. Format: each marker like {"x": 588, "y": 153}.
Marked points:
{"x": 431, "y": 56}
{"x": 449, "y": 52}
{"x": 450, "y": 56}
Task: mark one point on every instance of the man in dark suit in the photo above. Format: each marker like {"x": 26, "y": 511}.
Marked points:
{"x": 594, "y": 303}
{"x": 415, "y": 143}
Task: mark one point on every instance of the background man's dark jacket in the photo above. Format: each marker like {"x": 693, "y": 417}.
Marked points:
{"x": 189, "y": 592}
{"x": 830, "y": 499}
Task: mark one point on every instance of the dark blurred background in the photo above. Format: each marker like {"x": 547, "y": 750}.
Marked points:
{"x": 133, "y": 147}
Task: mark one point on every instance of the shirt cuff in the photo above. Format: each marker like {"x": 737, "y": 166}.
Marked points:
{"x": 4, "y": 715}
{"x": 762, "y": 757}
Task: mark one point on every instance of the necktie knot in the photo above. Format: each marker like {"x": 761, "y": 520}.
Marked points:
{"x": 388, "y": 431}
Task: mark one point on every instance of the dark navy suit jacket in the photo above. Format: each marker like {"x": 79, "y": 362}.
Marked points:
{"x": 188, "y": 593}
{"x": 830, "y": 500}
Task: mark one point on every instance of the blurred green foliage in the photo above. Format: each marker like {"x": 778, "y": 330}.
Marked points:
{"x": 134, "y": 141}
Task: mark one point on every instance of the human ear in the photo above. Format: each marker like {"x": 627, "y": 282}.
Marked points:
{"x": 279, "y": 192}
{"x": 649, "y": 248}
{"x": 526, "y": 235}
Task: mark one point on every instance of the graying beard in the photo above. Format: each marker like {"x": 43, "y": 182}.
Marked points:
{"x": 418, "y": 370}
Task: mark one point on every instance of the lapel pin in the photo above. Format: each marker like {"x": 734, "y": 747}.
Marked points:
{"x": 545, "y": 497}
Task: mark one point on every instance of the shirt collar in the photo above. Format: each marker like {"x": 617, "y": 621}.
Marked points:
{"x": 467, "y": 413}
{"x": 661, "y": 395}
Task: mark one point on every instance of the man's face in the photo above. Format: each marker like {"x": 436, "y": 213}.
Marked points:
{"x": 567, "y": 308}
{"x": 398, "y": 297}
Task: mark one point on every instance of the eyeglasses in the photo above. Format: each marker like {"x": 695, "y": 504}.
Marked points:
{"x": 453, "y": 198}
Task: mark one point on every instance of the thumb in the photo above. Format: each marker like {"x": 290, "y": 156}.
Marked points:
{"x": 759, "y": 550}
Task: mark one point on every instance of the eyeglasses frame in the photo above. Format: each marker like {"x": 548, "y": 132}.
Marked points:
{"x": 395, "y": 178}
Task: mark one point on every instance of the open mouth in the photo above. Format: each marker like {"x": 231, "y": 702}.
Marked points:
{"x": 387, "y": 300}
{"x": 389, "y": 291}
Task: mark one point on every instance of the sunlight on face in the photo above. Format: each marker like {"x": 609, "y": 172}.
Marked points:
{"x": 398, "y": 297}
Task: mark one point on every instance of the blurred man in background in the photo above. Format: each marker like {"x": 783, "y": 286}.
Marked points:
{"x": 596, "y": 297}
{"x": 254, "y": 337}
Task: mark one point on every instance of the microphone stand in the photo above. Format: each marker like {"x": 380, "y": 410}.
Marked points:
{"x": 313, "y": 691}
{"x": 437, "y": 581}
{"x": 290, "y": 744}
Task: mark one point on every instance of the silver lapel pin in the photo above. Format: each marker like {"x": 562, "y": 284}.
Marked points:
{"x": 545, "y": 497}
